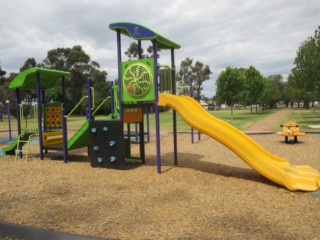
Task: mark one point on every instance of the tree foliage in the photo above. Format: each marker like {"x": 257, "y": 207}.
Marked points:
{"x": 2, "y": 75}
{"x": 306, "y": 73}
{"x": 79, "y": 64}
{"x": 198, "y": 73}
{"x": 230, "y": 86}
{"x": 254, "y": 84}
{"x": 133, "y": 52}
{"x": 73, "y": 60}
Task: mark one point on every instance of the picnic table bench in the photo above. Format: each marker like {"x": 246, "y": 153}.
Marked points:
{"x": 291, "y": 129}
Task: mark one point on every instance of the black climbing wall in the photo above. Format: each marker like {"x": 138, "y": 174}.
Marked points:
{"x": 106, "y": 145}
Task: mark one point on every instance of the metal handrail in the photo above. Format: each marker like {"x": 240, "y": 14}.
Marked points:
{"x": 100, "y": 105}
{"x": 83, "y": 98}
{"x": 92, "y": 96}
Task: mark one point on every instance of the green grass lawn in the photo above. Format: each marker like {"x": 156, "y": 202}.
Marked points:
{"x": 304, "y": 117}
{"x": 241, "y": 119}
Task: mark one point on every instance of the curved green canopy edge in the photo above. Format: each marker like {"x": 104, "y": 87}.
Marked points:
{"x": 28, "y": 78}
{"x": 139, "y": 32}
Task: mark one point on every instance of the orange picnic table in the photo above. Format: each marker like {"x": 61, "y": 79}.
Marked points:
{"x": 291, "y": 129}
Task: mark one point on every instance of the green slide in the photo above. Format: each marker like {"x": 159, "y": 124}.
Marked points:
{"x": 10, "y": 150}
{"x": 81, "y": 138}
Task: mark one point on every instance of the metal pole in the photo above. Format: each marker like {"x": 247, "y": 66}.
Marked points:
{"x": 18, "y": 117}
{"x": 174, "y": 113}
{"x": 136, "y": 125}
{"x": 119, "y": 72}
{"x": 112, "y": 98}
{"x": 198, "y": 96}
{"x": 64, "y": 122}
{"x": 39, "y": 115}
{"x": 89, "y": 112}
{"x": 191, "y": 95}
{"x": 156, "y": 107}
{"x": 148, "y": 123}
{"x": 9, "y": 119}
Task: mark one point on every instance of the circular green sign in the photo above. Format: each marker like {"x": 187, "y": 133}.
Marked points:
{"x": 137, "y": 80}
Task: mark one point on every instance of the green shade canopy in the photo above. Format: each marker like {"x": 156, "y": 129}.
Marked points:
{"x": 139, "y": 32}
{"x": 28, "y": 78}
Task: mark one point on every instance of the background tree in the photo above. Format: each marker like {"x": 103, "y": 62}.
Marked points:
{"x": 198, "y": 72}
{"x": 2, "y": 76}
{"x": 290, "y": 93}
{"x": 254, "y": 85}
{"x": 79, "y": 64}
{"x": 230, "y": 85}
{"x": 306, "y": 72}
{"x": 30, "y": 63}
{"x": 133, "y": 51}
{"x": 5, "y": 92}
{"x": 276, "y": 84}
{"x": 267, "y": 94}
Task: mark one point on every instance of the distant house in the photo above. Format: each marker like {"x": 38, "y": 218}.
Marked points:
{"x": 204, "y": 104}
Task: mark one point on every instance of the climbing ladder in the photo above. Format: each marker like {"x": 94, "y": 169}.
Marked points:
{"x": 24, "y": 139}
{"x": 26, "y": 135}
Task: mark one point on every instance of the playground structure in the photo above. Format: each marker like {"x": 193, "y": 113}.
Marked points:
{"x": 291, "y": 129}
{"x": 139, "y": 86}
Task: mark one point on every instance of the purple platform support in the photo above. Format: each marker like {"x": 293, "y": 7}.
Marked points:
{"x": 119, "y": 72}
{"x": 64, "y": 122}
{"x": 112, "y": 97}
{"x": 174, "y": 113}
{"x": 9, "y": 120}
{"x": 39, "y": 115}
{"x": 156, "y": 107}
{"x": 18, "y": 117}
{"x": 89, "y": 112}
{"x": 191, "y": 95}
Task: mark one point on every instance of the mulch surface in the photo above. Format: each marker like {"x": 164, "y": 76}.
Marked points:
{"x": 211, "y": 194}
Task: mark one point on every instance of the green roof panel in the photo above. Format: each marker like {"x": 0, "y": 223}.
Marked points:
{"x": 139, "y": 32}
{"x": 28, "y": 78}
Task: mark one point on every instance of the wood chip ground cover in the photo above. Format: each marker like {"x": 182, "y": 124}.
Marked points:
{"x": 211, "y": 194}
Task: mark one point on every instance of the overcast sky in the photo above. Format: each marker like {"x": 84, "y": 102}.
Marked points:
{"x": 219, "y": 33}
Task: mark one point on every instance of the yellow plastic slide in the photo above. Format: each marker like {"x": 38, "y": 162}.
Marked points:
{"x": 272, "y": 167}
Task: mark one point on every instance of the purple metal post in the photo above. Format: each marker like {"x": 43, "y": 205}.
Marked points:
{"x": 146, "y": 108}
{"x": 89, "y": 112}
{"x": 174, "y": 113}
{"x": 139, "y": 49}
{"x": 198, "y": 96}
{"x": 119, "y": 71}
{"x": 9, "y": 119}
{"x": 39, "y": 115}
{"x": 136, "y": 125}
{"x": 18, "y": 117}
{"x": 148, "y": 124}
{"x": 64, "y": 122}
{"x": 112, "y": 98}
{"x": 191, "y": 95}
{"x": 65, "y": 136}
{"x": 156, "y": 107}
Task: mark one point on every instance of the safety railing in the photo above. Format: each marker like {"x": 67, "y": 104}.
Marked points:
{"x": 100, "y": 105}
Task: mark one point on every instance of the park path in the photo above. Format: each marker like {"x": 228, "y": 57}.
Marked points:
{"x": 266, "y": 124}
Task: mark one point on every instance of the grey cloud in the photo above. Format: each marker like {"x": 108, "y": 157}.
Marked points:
{"x": 265, "y": 34}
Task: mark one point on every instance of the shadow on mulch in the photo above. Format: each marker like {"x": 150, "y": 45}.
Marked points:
{"x": 185, "y": 160}
{"x": 192, "y": 161}
{"x": 292, "y": 142}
